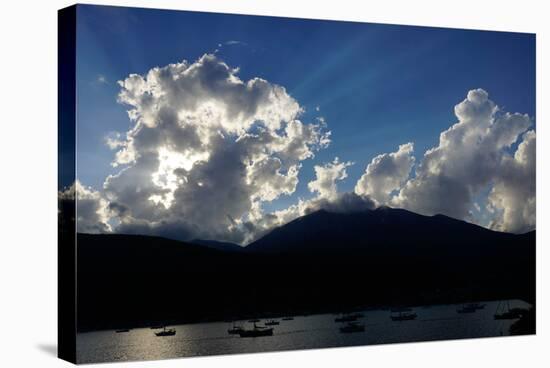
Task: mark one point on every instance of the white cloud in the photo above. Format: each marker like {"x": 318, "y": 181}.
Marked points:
{"x": 471, "y": 155}
{"x": 386, "y": 173}
{"x": 235, "y": 42}
{"x": 206, "y": 149}
{"x": 327, "y": 197}
{"x": 101, "y": 79}
{"x": 327, "y": 176}
{"x": 513, "y": 195}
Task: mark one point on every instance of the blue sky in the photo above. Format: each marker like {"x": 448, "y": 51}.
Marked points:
{"x": 377, "y": 86}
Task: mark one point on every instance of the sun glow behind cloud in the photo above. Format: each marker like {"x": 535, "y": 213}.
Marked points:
{"x": 167, "y": 179}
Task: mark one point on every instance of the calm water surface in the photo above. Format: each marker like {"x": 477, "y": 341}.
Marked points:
{"x": 304, "y": 332}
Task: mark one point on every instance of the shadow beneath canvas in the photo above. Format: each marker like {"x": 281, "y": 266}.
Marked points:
{"x": 50, "y": 349}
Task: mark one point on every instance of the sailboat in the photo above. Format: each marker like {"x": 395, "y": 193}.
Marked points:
{"x": 234, "y": 330}
{"x": 470, "y": 308}
{"x": 466, "y": 309}
{"x": 504, "y": 311}
{"x": 166, "y": 332}
{"x": 402, "y": 314}
{"x": 256, "y": 331}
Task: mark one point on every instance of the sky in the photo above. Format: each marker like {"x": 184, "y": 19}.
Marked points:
{"x": 333, "y": 98}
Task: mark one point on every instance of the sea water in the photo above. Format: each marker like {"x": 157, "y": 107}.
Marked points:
{"x": 438, "y": 322}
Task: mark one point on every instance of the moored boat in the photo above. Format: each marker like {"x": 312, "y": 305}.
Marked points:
{"x": 256, "y": 331}
{"x": 234, "y": 330}
{"x": 477, "y": 306}
{"x": 402, "y": 314}
{"x": 166, "y": 332}
{"x": 470, "y": 308}
{"x": 466, "y": 309}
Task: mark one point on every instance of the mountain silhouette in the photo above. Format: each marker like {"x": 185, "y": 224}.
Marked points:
{"x": 384, "y": 230}
{"x": 320, "y": 262}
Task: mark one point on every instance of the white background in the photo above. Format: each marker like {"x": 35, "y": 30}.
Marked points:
{"x": 28, "y": 175}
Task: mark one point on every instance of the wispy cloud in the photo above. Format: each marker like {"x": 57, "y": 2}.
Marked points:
{"x": 235, "y": 42}
{"x": 101, "y": 79}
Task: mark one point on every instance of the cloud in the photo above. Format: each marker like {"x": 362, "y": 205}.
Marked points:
{"x": 327, "y": 197}
{"x": 513, "y": 196}
{"x": 92, "y": 210}
{"x": 235, "y": 42}
{"x": 345, "y": 202}
{"x": 205, "y": 150}
{"x": 101, "y": 79}
{"x": 327, "y": 176}
{"x": 472, "y": 155}
{"x": 386, "y": 173}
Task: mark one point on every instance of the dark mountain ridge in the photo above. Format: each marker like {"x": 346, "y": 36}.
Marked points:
{"x": 320, "y": 262}
{"x": 324, "y": 231}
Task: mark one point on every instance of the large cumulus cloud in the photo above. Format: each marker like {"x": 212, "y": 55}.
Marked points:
{"x": 473, "y": 155}
{"x": 327, "y": 176}
{"x": 386, "y": 173}
{"x": 512, "y": 198}
{"x": 205, "y": 150}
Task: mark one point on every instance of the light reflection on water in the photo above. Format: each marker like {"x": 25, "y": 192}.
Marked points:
{"x": 304, "y": 332}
